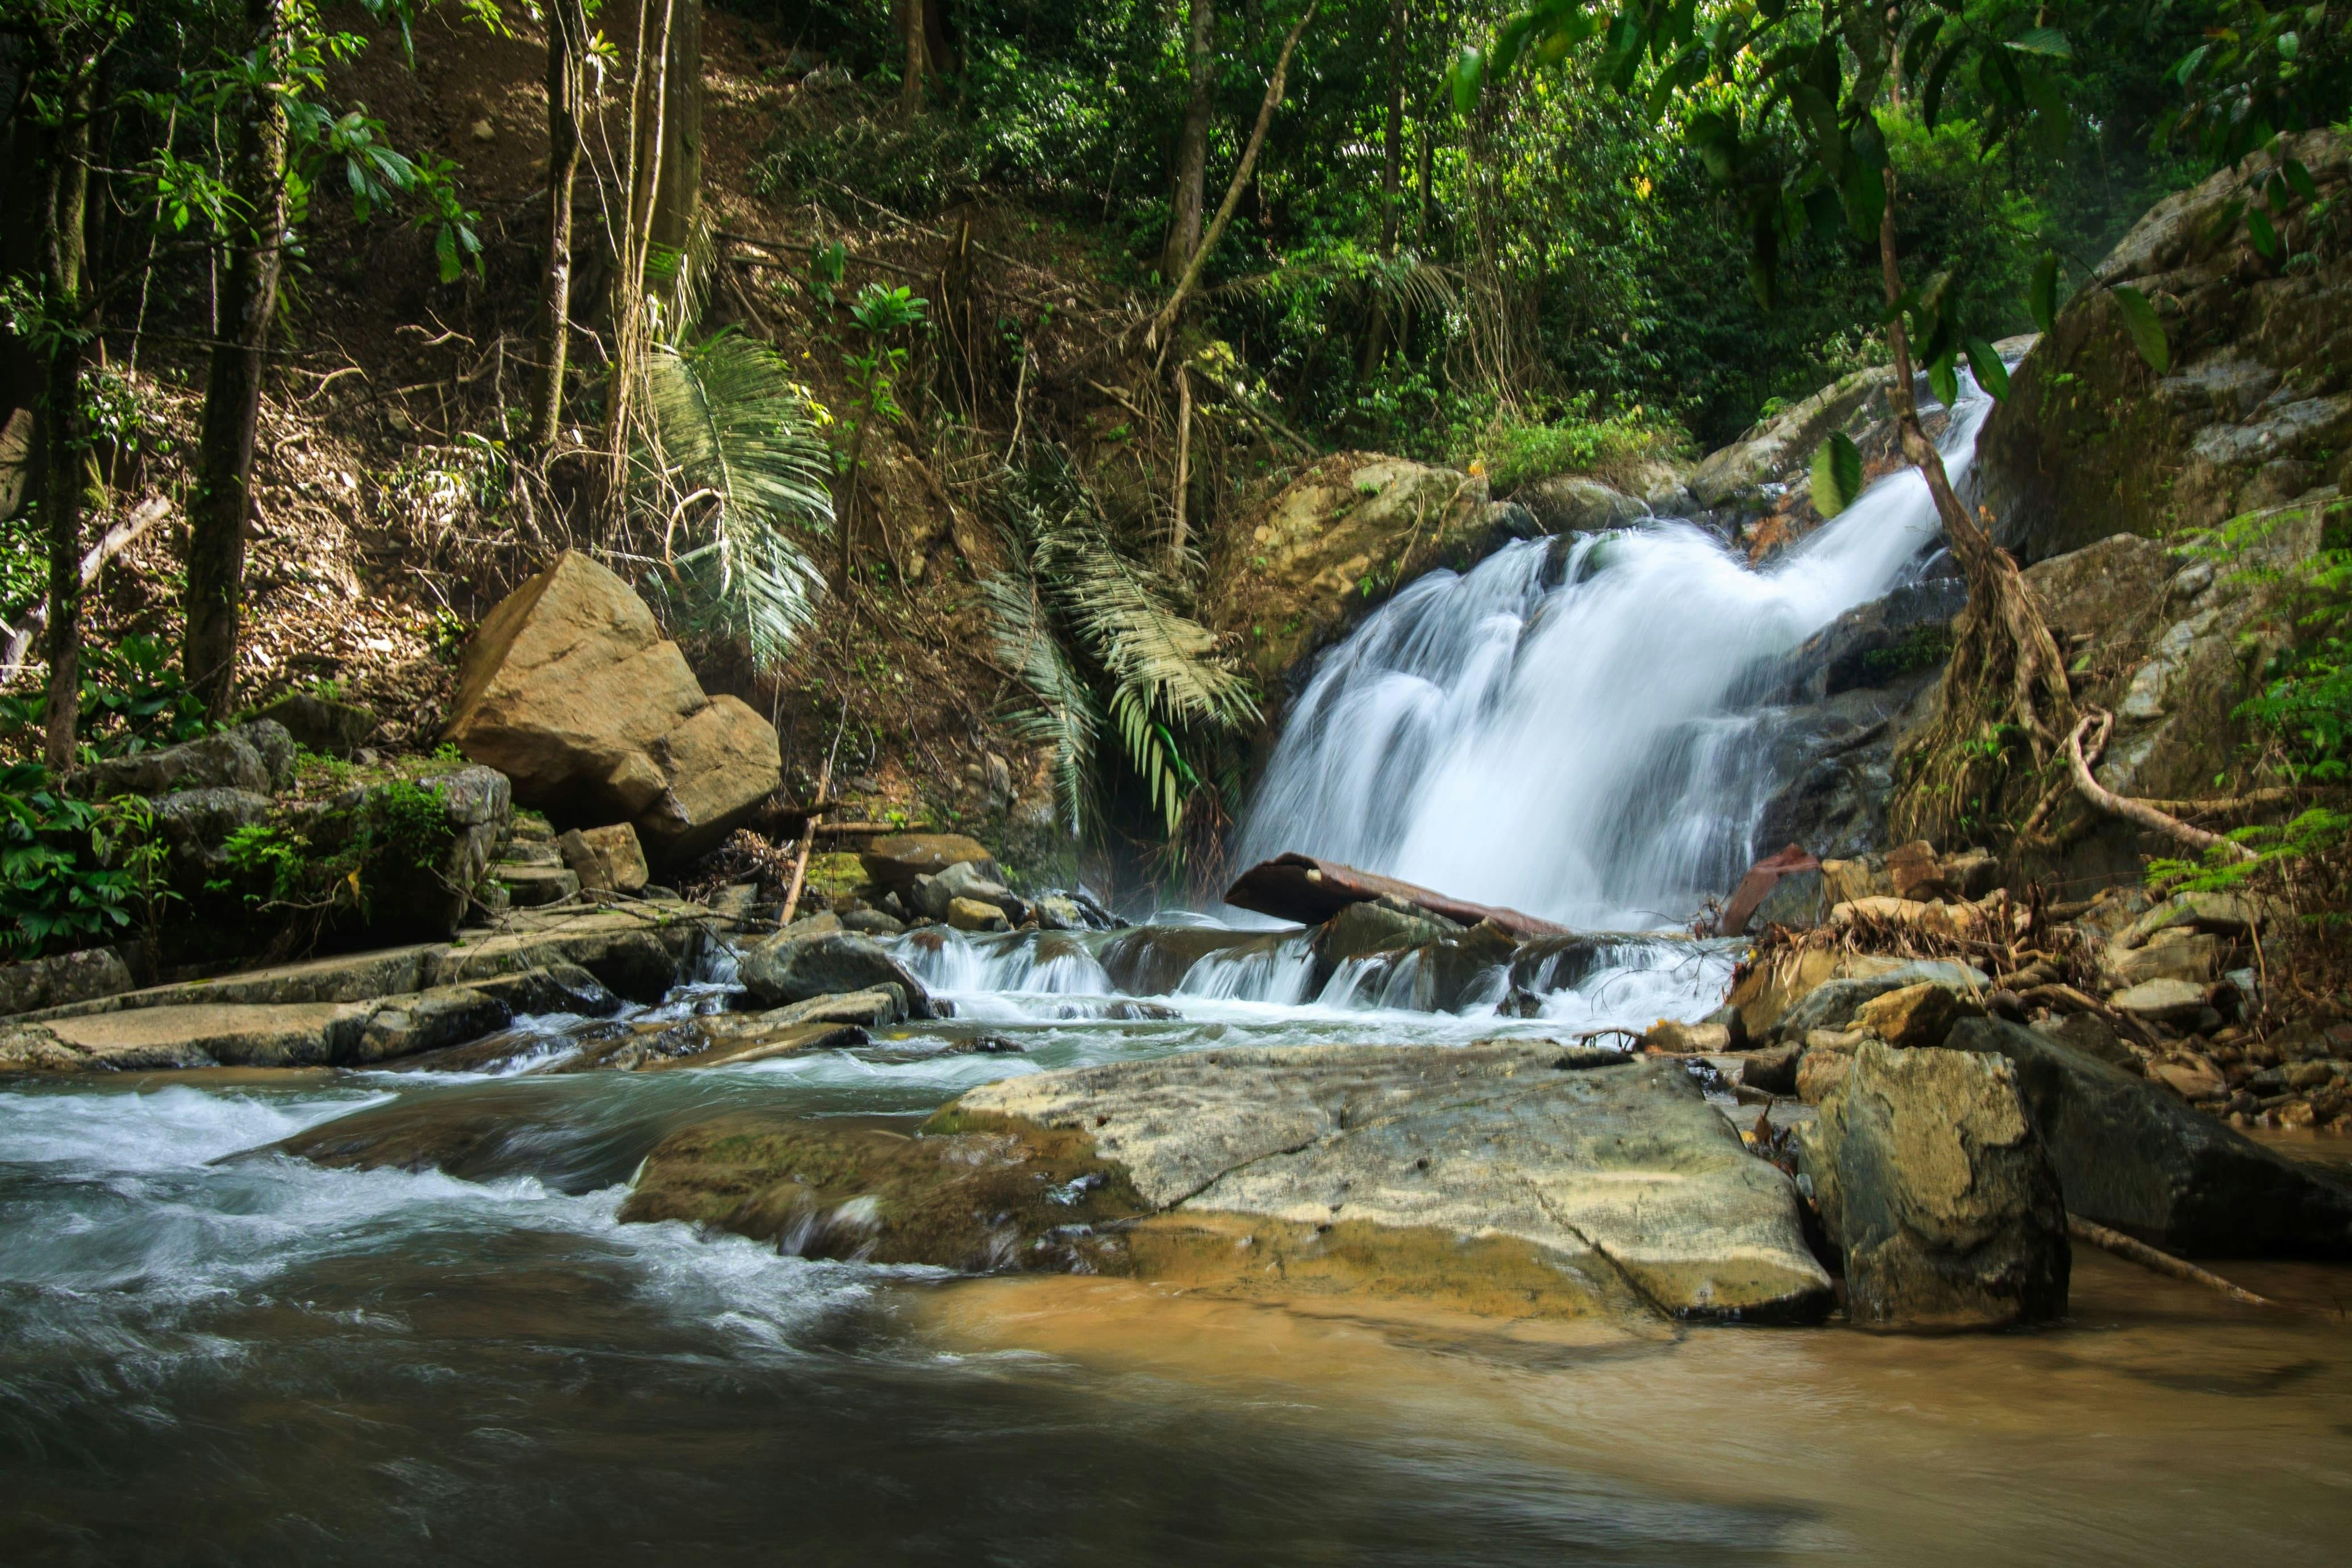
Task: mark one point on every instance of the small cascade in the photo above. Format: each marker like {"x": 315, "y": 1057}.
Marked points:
{"x": 1576, "y": 737}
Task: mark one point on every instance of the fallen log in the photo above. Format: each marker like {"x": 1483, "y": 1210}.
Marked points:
{"x": 1310, "y": 891}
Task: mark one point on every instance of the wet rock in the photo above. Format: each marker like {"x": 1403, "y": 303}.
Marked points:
{"x": 1782, "y": 445}
{"x": 1933, "y": 1184}
{"x": 1152, "y": 960}
{"x": 322, "y": 724}
{"x": 792, "y": 966}
{"x": 604, "y": 860}
{"x": 871, "y": 922}
{"x": 937, "y": 895}
{"x": 257, "y": 758}
{"x": 895, "y": 861}
{"x": 1511, "y": 1178}
{"x": 1877, "y": 643}
{"x": 1833, "y": 1003}
{"x": 1920, "y": 1015}
{"x": 568, "y": 688}
{"x": 2132, "y": 1156}
{"x": 1362, "y": 929}
{"x": 63, "y": 979}
{"x": 556, "y": 987}
{"x": 1773, "y": 1071}
{"x": 971, "y": 915}
{"x": 1571, "y": 503}
{"x": 254, "y": 1034}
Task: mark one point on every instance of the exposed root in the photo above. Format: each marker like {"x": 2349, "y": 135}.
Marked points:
{"x": 2138, "y": 812}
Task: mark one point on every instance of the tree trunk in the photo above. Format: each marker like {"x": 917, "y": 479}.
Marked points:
{"x": 233, "y": 392}
{"x": 1376, "y": 341}
{"x": 915, "y": 51}
{"x": 2005, "y": 665}
{"x": 567, "y": 32}
{"x": 63, "y": 446}
{"x": 679, "y": 195}
{"x": 641, "y": 192}
{"x": 1193, "y": 143}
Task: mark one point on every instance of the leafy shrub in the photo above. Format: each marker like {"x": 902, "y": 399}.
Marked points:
{"x": 71, "y": 870}
{"x": 1566, "y": 438}
{"x": 133, "y": 699}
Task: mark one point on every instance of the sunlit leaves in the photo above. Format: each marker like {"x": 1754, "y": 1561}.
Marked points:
{"x": 1837, "y": 475}
{"x": 2147, "y": 332}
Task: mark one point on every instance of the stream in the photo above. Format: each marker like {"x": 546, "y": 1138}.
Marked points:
{"x": 210, "y": 1352}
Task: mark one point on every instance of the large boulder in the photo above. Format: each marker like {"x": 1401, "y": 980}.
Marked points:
{"x": 1336, "y": 542}
{"x": 1932, "y": 1183}
{"x": 568, "y": 688}
{"x": 1511, "y": 1178}
{"x": 1571, "y": 503}
{"x": 2257, "y": 405}
{"x": 2134, "y": 1157}
{"x": 795, "y": 963}
{"x": 1779, "y": 448}
{"x": 894, "y": 861}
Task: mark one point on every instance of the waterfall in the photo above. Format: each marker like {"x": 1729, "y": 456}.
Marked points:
{"x": 1569, "y": 739}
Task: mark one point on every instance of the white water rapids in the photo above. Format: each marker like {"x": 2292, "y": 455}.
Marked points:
{"x": 1575, "y": 748}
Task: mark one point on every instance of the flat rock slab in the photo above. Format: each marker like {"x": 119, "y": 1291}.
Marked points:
{"x": 1520, "y": 1177}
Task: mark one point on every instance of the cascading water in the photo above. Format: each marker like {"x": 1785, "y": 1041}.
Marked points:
{"x": 1570, "y": 743}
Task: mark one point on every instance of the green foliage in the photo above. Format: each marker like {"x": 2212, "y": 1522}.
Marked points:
{"x": 1080, "y": 615}
{"x": 1563, "y": 437}
{"x": 730, "y": 460}
{"x": 133, "y": 699}
{"x": 71, "y": 870}
{"x": 2315, "y": 832}
{"x": 2305, "y": 704}
{"x": 1837, "y": 475}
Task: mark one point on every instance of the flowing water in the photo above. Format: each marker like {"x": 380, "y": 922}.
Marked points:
{"x": 213, "y": 1354}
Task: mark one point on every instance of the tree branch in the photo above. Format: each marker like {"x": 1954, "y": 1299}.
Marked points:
{"x": 2138, "y": 812}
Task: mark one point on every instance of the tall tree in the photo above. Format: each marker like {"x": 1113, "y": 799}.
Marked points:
{"x": 1190, "y": 191}
{"x": 1392, "y": 179}
{"x": 224, "y": 496}
{"x": 567, "y": 42}
{"x": 71, "y": 41}
{"x": 677, "y": 193}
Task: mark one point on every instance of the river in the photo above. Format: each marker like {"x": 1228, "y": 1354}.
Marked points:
{"x": 214, "y": 1353}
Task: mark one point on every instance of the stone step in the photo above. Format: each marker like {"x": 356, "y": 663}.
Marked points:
{"x": 531, "y": 830}
{"x": 529, "y": 852}
{"x": 529, "y": 886}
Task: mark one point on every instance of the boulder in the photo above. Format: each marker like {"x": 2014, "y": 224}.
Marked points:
{"x": 1572, "y": 504}
{"x": 1877, "y": 643}
{"x": 793, "y": 966}
{"x": 62, "y": 980}
{"x": 605, "y": 860}
{"x": 256, "y": 758}
{"x": 1932, "y": 1183}
{"x": 2092, "y": 441}
{"x": 1833, "y": 1003}
{"x": 197, "y": 824}
{"x": 1512, "y": 1177}
{"x": 1920, "y": 1015}
{"x": 1362, "y": 929}
{"x": 322, "y": 724}
{"x": 1781, "y": 447}
{"x": 2162, "y": 1000}
{"x": 965, "y": 881}
{"x": 1152, "y": 960}
{"x": 568, "y": 688}
{"x": 2132, "y": 1156}
{"x": 894, "y": 861}
{"x": 1334, "y": 543}
{"x": 972, "y": 914}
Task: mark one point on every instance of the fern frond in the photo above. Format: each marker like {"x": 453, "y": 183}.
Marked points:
{"x": 726, "y": 455}
{"x": 1064, "y": 717}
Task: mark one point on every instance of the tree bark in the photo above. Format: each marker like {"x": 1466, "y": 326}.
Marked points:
{"x": 1185, "y": 201}
{"x": 679, "y": 195}
{"x": 916, "y": 53}
{"x": 1376, "y": 341}
{"x": 223, "y": 497}
{"x": 641, "y": 191}
{"x": 63, "y": 444}
{"x": 567, "y": 33}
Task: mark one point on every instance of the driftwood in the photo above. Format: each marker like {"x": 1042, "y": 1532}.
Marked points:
{"x": 1310, "y": 891}
{"x": 2148, "y": 1257}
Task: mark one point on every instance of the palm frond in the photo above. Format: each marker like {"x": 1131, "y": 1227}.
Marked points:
{"x": 726, "y": 456}
{"x": 1120, "y": 610}
{"x": 1064, "y": 717}
{"x": 1405, "y": 281}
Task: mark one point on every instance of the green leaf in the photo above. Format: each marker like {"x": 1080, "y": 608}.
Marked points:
{"x": 1469, "y": 74}
{"x": 1931, "y": 98}
{"x": 1916, "y": 47}
{"x": 2289, "y": 46}
{"x": 1864, "y": 194}
{"x": 2264, "y": 234}
{"x": 1943, "y": 379}
{"x": 1989, "y": 372}
{"x": 2042, "y": 294}
{"x": 2046, "y": 41}
{"x": 1837, "y": 475}
{"x": 2298, "y": 179}
{"x": 2147, "y": 331}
